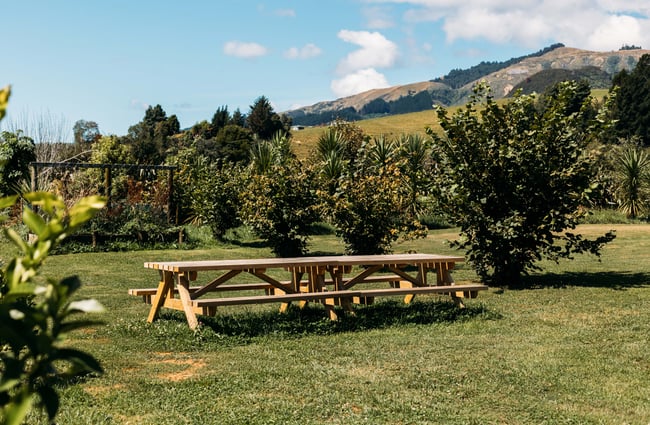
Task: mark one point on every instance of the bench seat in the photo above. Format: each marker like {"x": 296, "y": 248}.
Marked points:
{"x": 455, "y": 290}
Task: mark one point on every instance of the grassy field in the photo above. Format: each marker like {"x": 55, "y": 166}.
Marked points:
{"x": 305, "y": 140}
{"x": 573, "y": 349}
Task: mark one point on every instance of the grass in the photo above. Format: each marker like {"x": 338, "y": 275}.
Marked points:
{"x": 573, "y": 348}
{"x": 304, "y": 141}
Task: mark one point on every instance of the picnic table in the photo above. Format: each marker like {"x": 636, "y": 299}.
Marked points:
{"x": 330, "y": 280}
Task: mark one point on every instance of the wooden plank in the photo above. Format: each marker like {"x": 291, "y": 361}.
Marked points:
{"x": 310, "y": 296}
{"x": 295, "y": 262}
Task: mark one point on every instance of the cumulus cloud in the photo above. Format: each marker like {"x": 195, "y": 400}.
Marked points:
{"x": 375, "y": 51}
{"x": 305, "y": 52}
{"x": 357, "y": 70}
{"x": 358, "y": 81}
{"x": 244, "y": 50}
{"x": 596, "y": 25}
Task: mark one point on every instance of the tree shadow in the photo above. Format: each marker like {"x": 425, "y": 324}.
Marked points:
{"x": 611, "y": 280}
{"x": 313, "y": 320}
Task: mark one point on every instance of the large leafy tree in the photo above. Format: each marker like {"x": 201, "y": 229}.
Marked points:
{"x": 632, "y": 101}
{"x": 85, "y": 132}
{"x": 516, "y": 180}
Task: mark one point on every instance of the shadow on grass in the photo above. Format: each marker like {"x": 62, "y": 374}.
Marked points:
{"x": 313, "y": 320}
{"x": 612, "y": 280}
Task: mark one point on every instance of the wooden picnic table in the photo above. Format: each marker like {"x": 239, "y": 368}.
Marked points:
{"x": 332, "y": 280}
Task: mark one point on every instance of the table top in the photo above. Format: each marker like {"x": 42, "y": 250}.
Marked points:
{"x": 333, "y": 260}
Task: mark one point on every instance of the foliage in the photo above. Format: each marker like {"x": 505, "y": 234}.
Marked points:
{"x": 85, "y": 132}
{"x": 352, "y": 137}
{"x": 631, "y": 110}
{"x": 17, "y": 151}
{"x": 516, "y": 181}
{"x": 416, "y": 168}
{"x": 111, "y": 150}
{"x": 35, "y": 312}
{"x": 264, "y": 122}
{"x": 368, "y": 205}
{"x": 150, "y": 138}
{"x": 633, "y": 172}
{"x": 280, "y": 202}
{"x": 4, "y": 100}
{"x": 214, "y": 195}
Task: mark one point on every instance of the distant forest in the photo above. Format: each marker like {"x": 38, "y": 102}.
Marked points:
{"x": 457, "y": 78}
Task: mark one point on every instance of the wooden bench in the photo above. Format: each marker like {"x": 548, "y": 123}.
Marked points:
{"x": 467, "y": 291}
{"x": 148, "y": 293}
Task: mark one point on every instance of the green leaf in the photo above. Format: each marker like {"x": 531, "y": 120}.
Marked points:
{"x": 17, "y": 240}
{"x": 34, "y": 222}
{"x": 15, "y": 412}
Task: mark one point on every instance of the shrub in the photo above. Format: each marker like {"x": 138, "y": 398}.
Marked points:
{"x": 516, "y": 180}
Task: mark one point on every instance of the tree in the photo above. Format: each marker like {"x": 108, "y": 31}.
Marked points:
{"x": 220, "y": 119}
{"x": 631, "y": 110}
{"x": 149, "y": 139}
{"x": 17, "y": 151}
{"x": 264, "y": 122}
{"x": 238, "y": 118}
{"x": 633, "y": 175}
{"x": 85, "y": 132}
{"x": 516, "y": 180}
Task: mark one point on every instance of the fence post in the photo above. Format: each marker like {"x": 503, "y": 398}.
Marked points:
{"x": 107, "y": 186}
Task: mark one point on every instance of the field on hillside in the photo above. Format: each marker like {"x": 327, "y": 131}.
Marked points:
{"x": 572, "y": 348}
{"x": 305, "y": 140}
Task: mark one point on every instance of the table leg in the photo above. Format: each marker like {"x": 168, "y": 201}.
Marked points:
{"x": 165, "y": 288}
{"x": 183, "y": 286}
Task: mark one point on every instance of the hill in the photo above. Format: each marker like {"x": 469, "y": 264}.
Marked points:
{"x": 531, "y": 73}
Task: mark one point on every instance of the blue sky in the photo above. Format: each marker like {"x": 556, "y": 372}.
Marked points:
{"x": 106, "y": 61}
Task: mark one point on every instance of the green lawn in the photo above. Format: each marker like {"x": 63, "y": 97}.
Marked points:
{"x": 572, "y": 349}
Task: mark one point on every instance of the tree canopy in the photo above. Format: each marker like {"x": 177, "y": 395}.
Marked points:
{"x": 632, "y": 101}
{"x": 516, "y": 178}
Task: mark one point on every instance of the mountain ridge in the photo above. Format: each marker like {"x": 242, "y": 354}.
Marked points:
{"x": 421, "y": 95}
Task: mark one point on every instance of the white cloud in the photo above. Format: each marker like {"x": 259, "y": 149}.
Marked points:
{"x": 242, "y": 49}
{"x": 357, "y": 70}
{"x": 617, "y": 31}
{"x": 305, "y": 52}
{"x": 589, "y": 24}
{"x": 376, "y": 51}
{"x": 359, "y": 81}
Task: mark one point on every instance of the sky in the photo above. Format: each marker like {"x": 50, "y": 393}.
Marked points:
{"x": 108, "y": 60}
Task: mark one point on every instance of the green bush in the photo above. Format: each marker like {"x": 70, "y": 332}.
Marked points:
{"x": 517, "y": 179}
{"x": 281, "y": 208}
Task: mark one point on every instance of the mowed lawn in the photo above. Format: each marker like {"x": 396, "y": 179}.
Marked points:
{"x": 572, "y": 349}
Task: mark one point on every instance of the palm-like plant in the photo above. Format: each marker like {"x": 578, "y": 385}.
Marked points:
{"x": 634, "y": 177}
